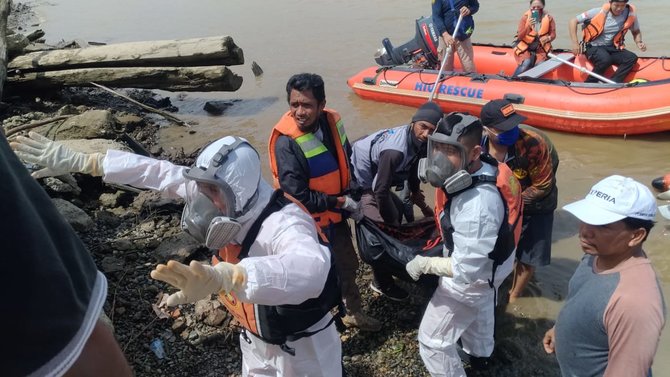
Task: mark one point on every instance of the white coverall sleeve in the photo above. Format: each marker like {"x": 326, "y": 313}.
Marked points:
{"x": 144, "y": 172}
{"x": 476, "y": 216}
{"x": 286, "y": 264}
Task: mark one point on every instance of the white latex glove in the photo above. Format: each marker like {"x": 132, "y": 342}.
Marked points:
{"x": 440, "y": 266}
{"x": 198, "y": 281}
{"x": 56, "y": 158}
{"x": 353, "y": 207}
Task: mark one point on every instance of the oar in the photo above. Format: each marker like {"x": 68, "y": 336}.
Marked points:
{"x": 582, "y": 69}
{"x": 444, "y": 60}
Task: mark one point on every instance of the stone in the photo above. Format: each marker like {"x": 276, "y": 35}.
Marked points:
{"x": 74, "y": 215}
{"x": 90, "y": 124}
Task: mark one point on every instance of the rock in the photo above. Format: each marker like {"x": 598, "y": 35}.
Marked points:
{"x": 178, "y": 247}
{"x": 179, "y": 325}
{"x": 59, "y": 184}
{"x": 256, "y": 69}
{"x": 218, "y": 107}
{"x": 74, "y": 215}
{"x": 110, "y": 200}
{"x": 148, "y": 226}
{"x": 107, "y": 218}
{"x": 122, "y": 244}
{"x": 111, "y": 264}
{"x": 128, "y": 121}
{"x": 151, "y": 200}
{"x": 88, "y": 125}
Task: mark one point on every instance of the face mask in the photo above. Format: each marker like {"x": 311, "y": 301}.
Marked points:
{"x": 204, "y": 222}
{"x": 508, "y": 137}
{"x": 436, "y": 169}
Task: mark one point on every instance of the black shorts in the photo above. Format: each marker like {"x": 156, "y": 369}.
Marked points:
{"x": 535, "y": 244}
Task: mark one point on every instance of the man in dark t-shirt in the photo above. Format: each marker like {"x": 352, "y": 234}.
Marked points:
{"x": 52, "y": 291}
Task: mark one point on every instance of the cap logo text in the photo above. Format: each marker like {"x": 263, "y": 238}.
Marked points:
{"x": 602, "y": 195}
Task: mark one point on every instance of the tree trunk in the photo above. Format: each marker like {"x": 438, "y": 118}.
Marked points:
{"x": 171, "y": 53}
{"x": 4, "y": 12}
{"x": 198, "y": 79}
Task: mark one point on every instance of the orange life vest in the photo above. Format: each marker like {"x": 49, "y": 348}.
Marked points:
{"x": 596, "y": 26}
{"x": 510, "y": 230}
{"x": 277, "y": 324}
{"x": 327, "y": 174}
{"x": 533, "y": 35}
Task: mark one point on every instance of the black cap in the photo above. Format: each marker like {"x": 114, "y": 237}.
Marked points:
{"x": 429, "y": 112}
{"x": 500, "y": 114}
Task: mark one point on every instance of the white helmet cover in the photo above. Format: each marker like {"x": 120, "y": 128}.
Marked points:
{"x": 227, "y": 173}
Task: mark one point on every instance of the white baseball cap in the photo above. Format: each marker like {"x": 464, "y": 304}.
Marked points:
{"x": 613, "y": 199}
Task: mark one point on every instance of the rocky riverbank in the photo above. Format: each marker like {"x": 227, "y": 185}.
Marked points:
{"x": 129, "y": 231}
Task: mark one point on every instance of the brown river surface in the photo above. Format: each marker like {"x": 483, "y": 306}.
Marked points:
{"x": 337, "y": 39}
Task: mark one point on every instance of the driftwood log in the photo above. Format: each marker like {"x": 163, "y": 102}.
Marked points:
{"x": 4, "y": 12}
{"x": 215, "y": 51}
{"x": 199, "y": 79}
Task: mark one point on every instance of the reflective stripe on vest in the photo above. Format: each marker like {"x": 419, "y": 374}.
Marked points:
{"x": 327, "y": 174}
{"x": 529, "y": 38}
{"x": 596, "y": 26}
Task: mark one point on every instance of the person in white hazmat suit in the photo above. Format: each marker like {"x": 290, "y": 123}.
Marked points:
{"x": 463, "y": 304}
{"x": 225, "y": 195}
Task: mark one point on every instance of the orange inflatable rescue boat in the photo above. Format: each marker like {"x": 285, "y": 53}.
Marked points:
{"x": 551, "y": 95}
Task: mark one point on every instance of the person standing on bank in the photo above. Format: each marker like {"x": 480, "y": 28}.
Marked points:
{"x": 612, "y": 320}
{"x": 534, "y": 161}
{"x": 309, "y": 159}
{"x": 272, "y": 271}
{"x": 479, "y": 223}
{"x": 603, "y": 32}
{"x": 389, "y": 158}
{"x": 534, "y": 35}
{"x": 445, "y": 15}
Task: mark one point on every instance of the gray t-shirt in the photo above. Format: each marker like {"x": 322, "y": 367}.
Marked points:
{"x": 612, "y": 25}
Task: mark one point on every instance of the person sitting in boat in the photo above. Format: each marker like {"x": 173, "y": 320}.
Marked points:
{"x": 534, "y": 35}
{"x": 445, "y": 17}
{"x": 534, "y": 161}
{"x": 384, "y": 160}
{"x": 603, "y": 31}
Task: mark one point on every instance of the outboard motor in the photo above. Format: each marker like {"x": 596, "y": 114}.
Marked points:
{"x": 420, "y": 50}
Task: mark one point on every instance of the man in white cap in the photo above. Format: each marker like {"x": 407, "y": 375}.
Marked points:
{"x": 271, "y": 271}
{"x": 612, "y": 319}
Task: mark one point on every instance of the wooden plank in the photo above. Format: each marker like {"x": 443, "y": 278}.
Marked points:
{"x": 195, "y": 52}
{"x": 200, "y": 79}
